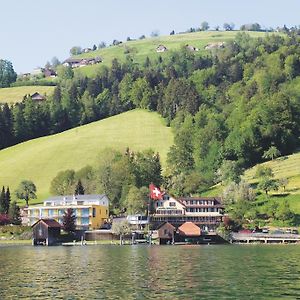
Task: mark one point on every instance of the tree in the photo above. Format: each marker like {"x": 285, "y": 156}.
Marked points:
{"x": 55, "y": 62}
{"x": 69, "y": 221}
{"x": 7, "y": 73}
{"x": 135, "y": 202}
{"x": 229, "y": 171}
{"x": 272, "y": 153}
{"x": 154, "y": 33}
{"x": 63, "y": 183}
{"x": 263, "y": 171}
{"x": 283, "y": 182}
{"x": 228, "y": 26}
{"x": 65, "y": 72}
{"x": 7, "y": 200}
{"x": 102, "y": 45}
{"x": 284, "y": 212}
{"x": 121, "y": 228}
{"x": 75, "y": 50}
{"x": 267, "y": 184}
{"x": 271, "y": 209}
{"x": 14, "y": 214}
{"x": 2, "y": 201}
{"x": 204, "y": 26}
{"x": 26, "y": 191}
{"x": 236, "y": 192}
{"x": 79, "y": 189}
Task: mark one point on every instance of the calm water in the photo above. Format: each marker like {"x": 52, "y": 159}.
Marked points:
{"x": 156, "y": 272}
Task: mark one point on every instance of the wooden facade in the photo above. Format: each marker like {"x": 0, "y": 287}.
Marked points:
{"x": 165, "y": 233}
{"x": 46, "y": 232}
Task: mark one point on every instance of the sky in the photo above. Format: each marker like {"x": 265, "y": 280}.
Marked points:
{"x": 34, "y": 31}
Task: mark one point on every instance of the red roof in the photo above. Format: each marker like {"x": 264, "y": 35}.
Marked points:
{"x": 49, "y": 222}
{"x": 189, "y": 229}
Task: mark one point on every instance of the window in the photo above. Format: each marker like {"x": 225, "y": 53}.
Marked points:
{"x": 94, "y": 212}
{"x": 172, "y": 204}
{"x": 84, "y": 212}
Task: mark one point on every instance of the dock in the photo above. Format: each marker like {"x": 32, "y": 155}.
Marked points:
{"x": 266, "y": 238}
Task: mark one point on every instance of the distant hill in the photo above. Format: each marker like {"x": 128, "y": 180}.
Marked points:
{"x": 16, "y": 94}
{"x": 41, "y": 159}
{"x": 140, "y": 49}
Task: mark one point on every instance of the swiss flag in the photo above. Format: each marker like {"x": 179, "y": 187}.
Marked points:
{"x": 155, "y": 192}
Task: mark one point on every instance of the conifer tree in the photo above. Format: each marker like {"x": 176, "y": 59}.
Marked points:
{"x": 79, "y": 189}
{"x": 2, "y": 201}
{"x": 7, "y": 201}
{"x": 69, "y": 220}
{"x": 14, "y": 214}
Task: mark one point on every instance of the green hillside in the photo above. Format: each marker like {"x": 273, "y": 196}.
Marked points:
{"x": 16, "y": 94}
{"x": 41, "y": 159}
{"x": 282, "y": 167}
{"x": 140, "y": 49}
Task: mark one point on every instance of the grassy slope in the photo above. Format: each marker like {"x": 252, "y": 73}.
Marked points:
{"x": 16, "y": 94}
{"x": 283, "y": 167}
{"x": 143, "y": 48}
{"x": 41, "y": 159}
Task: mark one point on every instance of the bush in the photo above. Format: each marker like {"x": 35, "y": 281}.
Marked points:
{"x": 4, "y": 219}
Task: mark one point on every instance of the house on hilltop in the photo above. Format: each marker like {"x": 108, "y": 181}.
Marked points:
{"x": 161, "y": 48}
{"x": 218, "y": 45}
{"x": 191, "y": 48}
{"x": 81, "y": 62}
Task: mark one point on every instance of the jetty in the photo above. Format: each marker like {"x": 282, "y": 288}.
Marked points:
{"x": 266, "y": 238}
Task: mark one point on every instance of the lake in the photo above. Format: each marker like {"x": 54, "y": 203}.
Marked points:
{"x": 150, "y": 272}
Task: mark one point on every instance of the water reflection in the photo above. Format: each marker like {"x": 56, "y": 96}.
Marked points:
{"x": 156, "y": 272}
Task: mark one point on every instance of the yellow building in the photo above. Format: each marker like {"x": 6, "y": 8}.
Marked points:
{"x": 91, "y": 211}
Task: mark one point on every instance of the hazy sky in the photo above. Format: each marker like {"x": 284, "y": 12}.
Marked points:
{"x": 33, "y": 31}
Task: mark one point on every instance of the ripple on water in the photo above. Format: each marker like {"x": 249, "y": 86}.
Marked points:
{"x": 170, "y": 272}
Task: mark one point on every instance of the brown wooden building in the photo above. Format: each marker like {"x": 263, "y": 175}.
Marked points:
{"x": 164, "y": 233}
{"x": 46, "y": 232}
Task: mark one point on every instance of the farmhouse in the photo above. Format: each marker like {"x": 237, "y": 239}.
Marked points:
{"x": 46, "y": 232}
{"x": 81, "y": 62}
{"x": 191, "y": 48}
{"x": 91, "y": 211}
{"x": 217, "y": 45}
{"x": 49, "y": 73}
{"x": 37, "y": 97}
{"x": 161, "y": 48}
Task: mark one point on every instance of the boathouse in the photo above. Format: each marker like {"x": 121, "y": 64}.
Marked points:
{"x": 46, "y": 232}
{"x": 165, "y": 233}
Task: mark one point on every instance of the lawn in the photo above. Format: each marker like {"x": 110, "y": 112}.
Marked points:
{"x": 41, "y": 159}
{"x": 16, "y": 94}
{"x": 140, "y": 49}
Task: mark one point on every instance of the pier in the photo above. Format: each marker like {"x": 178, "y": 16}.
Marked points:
{"x": 266, "y": 238}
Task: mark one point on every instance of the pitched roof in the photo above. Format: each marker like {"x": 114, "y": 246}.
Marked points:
{"x": 37, "y": 96}
{"x": 189, "y": 229}
{"x": 165, "y": 224}
{"x": 49, "y": 222}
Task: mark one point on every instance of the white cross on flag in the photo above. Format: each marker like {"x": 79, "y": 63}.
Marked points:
{"x": 155, "y": 192}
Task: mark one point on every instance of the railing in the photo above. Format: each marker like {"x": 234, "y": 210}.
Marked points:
{"x": 262, "y": 236}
